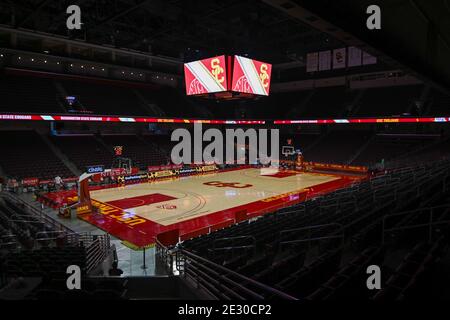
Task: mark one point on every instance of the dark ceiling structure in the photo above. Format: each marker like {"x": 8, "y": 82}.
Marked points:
{"x": 186, "y": 29}
{"x": 415, "y": 34}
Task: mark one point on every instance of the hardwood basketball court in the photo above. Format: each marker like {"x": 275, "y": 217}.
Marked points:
{"x": 196, "y": 205}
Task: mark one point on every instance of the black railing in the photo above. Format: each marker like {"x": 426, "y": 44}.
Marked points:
{"x": 55, "y": 225}
{"x": 96, "y": 251}
{"x": 431, "y": 219}
{"x": 219, "y": 282}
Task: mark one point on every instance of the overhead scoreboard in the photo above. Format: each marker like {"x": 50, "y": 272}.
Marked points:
{"x": 228, "y": 74}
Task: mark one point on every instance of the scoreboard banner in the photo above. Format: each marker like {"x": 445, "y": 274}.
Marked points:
{"x": 251, "y": 76}
{"x": 206, "y": 76}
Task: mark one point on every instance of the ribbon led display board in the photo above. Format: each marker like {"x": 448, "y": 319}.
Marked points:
{"x": 83, "y": 118}
{"x": 366, "y": 120}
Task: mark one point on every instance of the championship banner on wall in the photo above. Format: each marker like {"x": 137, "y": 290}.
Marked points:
{"x": 312, "y": 62}
{"x": 339, "y": 58}
{"x": 324, "y": 60}
{"x": 367, "y": 58}
{"x": 251, "y": 76}
{"x": 354, "y": 57}
{"x": 206, "y": 76}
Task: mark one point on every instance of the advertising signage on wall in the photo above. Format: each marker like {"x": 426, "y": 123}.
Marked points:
{"x": 95, "y": 169}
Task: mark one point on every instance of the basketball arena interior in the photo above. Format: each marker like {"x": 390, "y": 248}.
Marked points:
{"x": 96, "y": 203}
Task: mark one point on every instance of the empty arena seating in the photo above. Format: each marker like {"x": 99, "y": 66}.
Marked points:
{"x": 35, "y": 246}
{"x": 435, "y": 150}
{"x": 303, "y": 141}
{"x": 28, "y": 94}
{"x": 329, "y": 102}
{"x": 21, "y": 228}
{"x": 171, "y": 102}
{"x": 93, "y": 288}
{"x": 317, "y": 249}
{"x": 349, "y": 281}
{"x": 337, "y": 145}
{"x": 25, "y": 154}
{"x": 387, "y": 101}
{"x": 50, "y": 262}
{"x": 439, "y": 104}
{"x": 102, "y": 98}
{"x": 143, "y": 152}
{"x": 389, "y": 147}
{"x": 41, "y": 93}
{"x": 84, "y": 150}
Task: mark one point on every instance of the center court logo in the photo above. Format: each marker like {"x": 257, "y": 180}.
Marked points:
{"x": 189, "y": 150}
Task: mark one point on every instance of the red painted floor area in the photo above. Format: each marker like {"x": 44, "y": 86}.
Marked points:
{"x": 140, "y": 200}
{"x": 282, "y": 174}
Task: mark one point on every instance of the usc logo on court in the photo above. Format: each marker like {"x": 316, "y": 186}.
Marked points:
{"x": 220, "y": 184}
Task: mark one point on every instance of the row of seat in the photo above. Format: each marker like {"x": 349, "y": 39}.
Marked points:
{"x": 277, "y": 248}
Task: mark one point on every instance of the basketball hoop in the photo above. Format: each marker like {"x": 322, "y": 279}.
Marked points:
{"x": 287, "y": 151}
{"x": 122, "y": 163}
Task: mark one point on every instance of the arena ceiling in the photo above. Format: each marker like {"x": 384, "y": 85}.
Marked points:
{"x": 186, "y": 29}
{"x": 415, "y": 34}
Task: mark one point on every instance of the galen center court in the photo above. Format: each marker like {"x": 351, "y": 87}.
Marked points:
{"x": 193, "y": 205}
